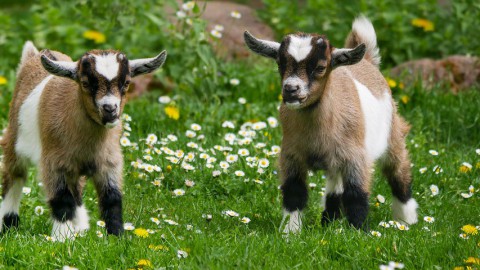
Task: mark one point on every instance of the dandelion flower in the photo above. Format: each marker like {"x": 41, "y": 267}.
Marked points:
{"x": 3, "y": 80}
{"x": 172, "y": 112}
{"x": 141, "y": 232}
{"x": 144, "y": 263}
{"x": 235, "y": 14}
{"x": 179, "y": 192}
{"x": 231, "y": 213}
{"x": 39, "y": 210}
{"x": 429, "y": 219}
{"x": 96, "y": 36}
{"x": 376, "y": 233}
{"x": 470, "y": 229}
{"x": 472, "y": 260}
{"x": 427, "y": 25}
{"x": 245, "y": 220}
{"x": 434, "y": 189}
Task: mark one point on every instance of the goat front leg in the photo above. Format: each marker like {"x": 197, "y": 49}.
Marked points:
{"x": 356, "y": 177}
{"x": 64, "y": 200}
{"x": 108, "y": 185}
{"x": 295, "y": 193}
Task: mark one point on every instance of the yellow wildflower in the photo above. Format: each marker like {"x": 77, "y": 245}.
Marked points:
{"x": 159, "y": 247}
{"x": 141, "y": 232}
{"x": 470, "y": 229}
{"x": 477, "y": 165}
{"x": 96, "y": 36}
{"x": 172, "y": 112}
{"x": 401, "y": 85}
{"x": 169, "y": 168}
{"x": 391, "y": 83}
{"x": 458, "y": 268}
{"x": 144, "y": 263}
{"x": 405, "y": 99}
{"x": 423, "y": 23}
{"x": 472, "y": 260}
{"x": 3, "y": 80}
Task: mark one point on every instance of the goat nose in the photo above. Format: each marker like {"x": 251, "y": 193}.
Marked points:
{"x": 290, "y": 88}
{"x": 109, "y": 108}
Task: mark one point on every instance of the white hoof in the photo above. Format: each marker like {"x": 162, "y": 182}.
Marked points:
{"x": 81, "y": 220}
{"x": 405, "y": 213}
{"x": 62, "y": 231}
{"x": 294, "y": 224}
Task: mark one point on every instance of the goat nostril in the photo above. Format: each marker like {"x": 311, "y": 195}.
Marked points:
{"x": 109, "y": 108}
{"x": 291, "y": 88}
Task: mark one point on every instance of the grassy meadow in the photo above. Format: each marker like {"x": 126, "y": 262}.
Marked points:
{"x": 201, "y": 183}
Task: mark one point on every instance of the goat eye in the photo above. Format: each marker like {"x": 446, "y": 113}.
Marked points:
{"x": 318, "y": 70}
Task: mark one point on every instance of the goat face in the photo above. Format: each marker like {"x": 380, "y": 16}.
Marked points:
{"x": 303, "y": 60}
{"x": 103, "y": 78}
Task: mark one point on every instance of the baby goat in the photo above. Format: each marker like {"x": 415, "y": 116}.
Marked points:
{"x": 68, "y": 123}
{"x": 338, "y": 115}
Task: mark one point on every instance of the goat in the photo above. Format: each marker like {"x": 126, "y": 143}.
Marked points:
{"x": 64, "y": 118}
{"x": 338, "y": 115}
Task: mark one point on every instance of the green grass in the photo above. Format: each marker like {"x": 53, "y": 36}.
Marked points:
{"x": 440, "y": 121}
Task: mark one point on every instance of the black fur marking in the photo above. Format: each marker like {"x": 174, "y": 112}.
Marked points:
{"x": 295, "y": 193}
{"x": 63, "y": 204}
{"x": 110, "y": 201}
{"x": 333, "y": 205}
{"x": 10, "y": 220}
{"x": 123, "y": 71}
{"x": 87, "y": 70}
{"x": 355, "y": 203}
{"x": 315, "y": 161}
{"x": 88, "y": 168}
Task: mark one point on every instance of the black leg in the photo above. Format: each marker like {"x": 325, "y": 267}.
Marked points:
{"x": 295, "y": 193}
{"x": 355, "y": 203}
{"x": 63, "y": 203}
{"x": 110, "y": 199}
{"x": 333, "y": 204}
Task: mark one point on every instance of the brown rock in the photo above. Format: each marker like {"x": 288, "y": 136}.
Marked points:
{"x": 231, "y": 45}
{"x": 455, "y": 72}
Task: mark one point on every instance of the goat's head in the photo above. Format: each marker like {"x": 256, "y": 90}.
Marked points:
{"x": 304, "y": 62}
{"x": 103, "y": 77}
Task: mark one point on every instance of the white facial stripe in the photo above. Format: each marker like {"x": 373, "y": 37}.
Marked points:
{"x": 28, "y": 143}
{"x": 107, "y": 65}
{"x": 377, "y": 114}
{"x": 299, "y": 47}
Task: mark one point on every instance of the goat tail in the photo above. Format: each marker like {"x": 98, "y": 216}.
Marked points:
{"x": 363, "y": 32}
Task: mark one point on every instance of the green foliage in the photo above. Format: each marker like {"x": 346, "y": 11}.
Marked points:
{"x": 455, "y": 24}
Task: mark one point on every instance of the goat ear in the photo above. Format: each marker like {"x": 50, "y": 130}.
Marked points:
{"x": 343, "y": 57}
{"x": 263, "y": 47}
{"x": 146, "y": 65}
{"x": 60, "y": 68}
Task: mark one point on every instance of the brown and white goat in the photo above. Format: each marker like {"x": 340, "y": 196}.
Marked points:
{"x": 338, "y": 115}
{"x": 65, "y": 118}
